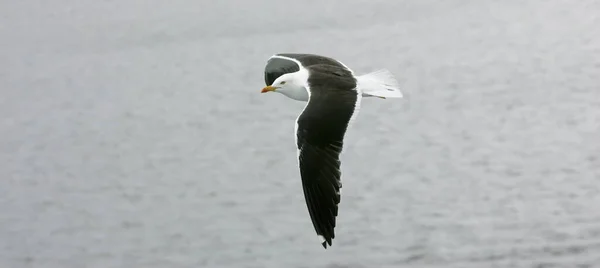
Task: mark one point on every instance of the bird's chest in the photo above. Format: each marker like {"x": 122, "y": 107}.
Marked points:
{"x": 297, "y": 93}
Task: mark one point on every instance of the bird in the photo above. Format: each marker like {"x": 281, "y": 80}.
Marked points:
{"x": 333, "y": 94}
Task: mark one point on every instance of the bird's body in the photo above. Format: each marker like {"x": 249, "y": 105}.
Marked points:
{"x": 380, "y": 83}
{"x": 334, "y": 96}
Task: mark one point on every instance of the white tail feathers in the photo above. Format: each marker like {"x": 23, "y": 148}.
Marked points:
{"x": 380, "y": 83}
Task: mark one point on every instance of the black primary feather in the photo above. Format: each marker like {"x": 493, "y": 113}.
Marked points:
{"x": 320, "y": 138}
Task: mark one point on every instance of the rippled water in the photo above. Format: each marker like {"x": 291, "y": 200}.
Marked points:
{"x": 132, "y": 134}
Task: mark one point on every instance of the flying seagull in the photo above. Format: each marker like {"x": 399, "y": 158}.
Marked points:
{"x": 333, "y": 94}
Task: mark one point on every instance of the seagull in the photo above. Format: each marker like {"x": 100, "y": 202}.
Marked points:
{"x": 333, "y": 93}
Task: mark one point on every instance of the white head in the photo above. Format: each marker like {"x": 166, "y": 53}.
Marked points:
{"x": 292, "y": 85}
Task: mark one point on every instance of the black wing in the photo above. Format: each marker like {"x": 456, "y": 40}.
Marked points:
{"x": 320, "y": 137}
{"x": 312, "y": 59}
{"x": 277, "y": 67}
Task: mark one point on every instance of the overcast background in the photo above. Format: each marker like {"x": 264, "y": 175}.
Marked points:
{"x": 133, "y": 134}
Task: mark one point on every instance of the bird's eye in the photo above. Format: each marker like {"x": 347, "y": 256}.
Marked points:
{"x": 282, "y": 83}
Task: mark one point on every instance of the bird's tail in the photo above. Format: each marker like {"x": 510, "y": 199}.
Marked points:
{"x": 380, "y": 83}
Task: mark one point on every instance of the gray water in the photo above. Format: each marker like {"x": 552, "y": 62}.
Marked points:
{"x": 133, "y": 134}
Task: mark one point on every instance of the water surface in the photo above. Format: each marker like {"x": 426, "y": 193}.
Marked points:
{"x": 133, "y": 134}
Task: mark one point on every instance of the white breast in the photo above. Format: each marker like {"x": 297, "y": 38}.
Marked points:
{"x": 299, "y": 94}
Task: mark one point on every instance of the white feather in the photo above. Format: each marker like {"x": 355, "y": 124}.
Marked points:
{"x": 356, "y": 108}
{"x": 380, "y": 83}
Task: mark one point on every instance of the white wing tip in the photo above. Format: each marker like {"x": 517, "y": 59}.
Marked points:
{"x": 321, "y": 238}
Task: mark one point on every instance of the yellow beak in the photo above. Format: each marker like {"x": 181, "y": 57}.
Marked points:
{"x": 267, "y": 89}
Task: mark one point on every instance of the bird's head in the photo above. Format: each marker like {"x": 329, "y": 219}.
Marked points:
{"x": 291, "y": 85}
{"x": 281, "y": 84}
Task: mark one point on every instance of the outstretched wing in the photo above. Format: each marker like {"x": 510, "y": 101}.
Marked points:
{"x": 283, "y": 63}
{"x": 320, "y": 136}
{"x": 307, "y": 60}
